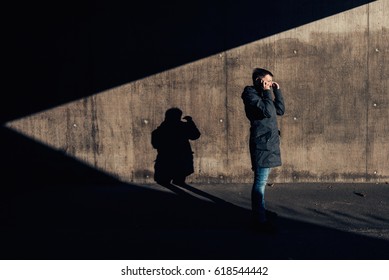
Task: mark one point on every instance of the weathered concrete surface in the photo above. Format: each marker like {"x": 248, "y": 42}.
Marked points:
{"x": 334, "y": 75}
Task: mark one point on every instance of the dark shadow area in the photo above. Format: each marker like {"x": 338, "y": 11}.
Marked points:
{"x": 126, "y": 221}
{"x": 180, "y": 190}
{"x": 55, "y": 207}
{"x": 171, "y": 139}
{"x": 27, "y": 164}
{"x": 343, "y": 218}
{"x": 56, "y": 53}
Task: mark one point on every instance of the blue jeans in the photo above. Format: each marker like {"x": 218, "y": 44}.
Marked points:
{"x": 258, "y": 193}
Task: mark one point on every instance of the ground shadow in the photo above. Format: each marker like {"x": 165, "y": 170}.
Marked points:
{"x": 180, "y": 190}
{"x": 126, "y": 221}
{"x": 55, "y": 207}
{"x": 28, "y": 164}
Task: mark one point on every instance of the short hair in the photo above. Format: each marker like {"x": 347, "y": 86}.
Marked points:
{"x": 260, "y": 72}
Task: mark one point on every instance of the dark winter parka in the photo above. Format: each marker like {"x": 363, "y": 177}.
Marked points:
{"x": 262, "y": 112}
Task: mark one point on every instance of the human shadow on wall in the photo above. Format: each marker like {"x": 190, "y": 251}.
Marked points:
{"x": 174, "y": 160}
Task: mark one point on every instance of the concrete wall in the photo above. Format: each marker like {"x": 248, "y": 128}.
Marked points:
{"x": 334, "y": 74}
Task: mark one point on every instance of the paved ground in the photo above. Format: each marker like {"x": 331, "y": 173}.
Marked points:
{"x": 124, "y": 221}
